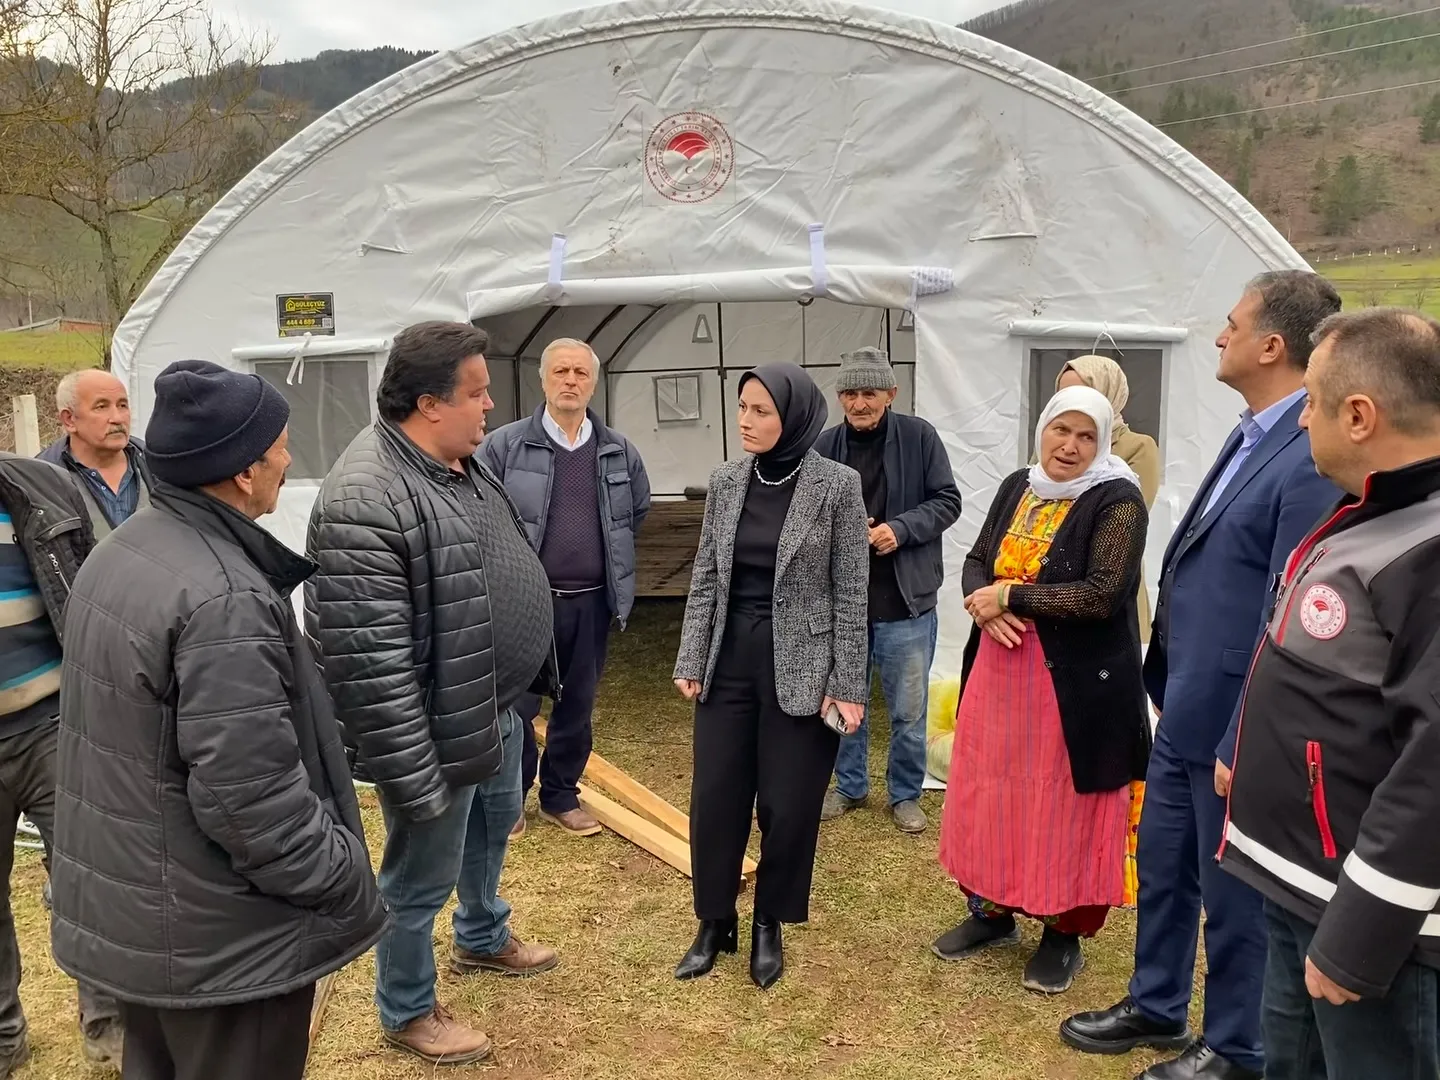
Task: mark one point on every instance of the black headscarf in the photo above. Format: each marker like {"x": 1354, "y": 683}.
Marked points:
{"x": 803, "y": 410}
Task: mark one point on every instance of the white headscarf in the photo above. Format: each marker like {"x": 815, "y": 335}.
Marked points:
{"x": 1105, "y": 467}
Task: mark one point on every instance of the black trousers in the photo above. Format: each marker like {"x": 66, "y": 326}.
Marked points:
{"x": 258, "y": 1040}
{"x": 582, "y": 633}
{"x": 753, "y": 757}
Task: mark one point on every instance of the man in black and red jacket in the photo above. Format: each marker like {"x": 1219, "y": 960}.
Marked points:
{"x": 1334, "y": 807}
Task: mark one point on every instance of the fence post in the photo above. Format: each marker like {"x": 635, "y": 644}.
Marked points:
{"x": 27, "y": 425}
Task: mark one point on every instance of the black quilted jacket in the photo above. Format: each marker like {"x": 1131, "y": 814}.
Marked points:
{"x": 208, "y": 844}
{"x": 400, "y": 612}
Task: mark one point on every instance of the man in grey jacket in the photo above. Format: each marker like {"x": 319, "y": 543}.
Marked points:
{"x": 209, "y": 862}
{"x": 911, "y": 499}
{"x": 582, "y": 492}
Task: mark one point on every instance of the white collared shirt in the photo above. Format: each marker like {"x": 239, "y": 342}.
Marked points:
{"x": 557, "y": 433}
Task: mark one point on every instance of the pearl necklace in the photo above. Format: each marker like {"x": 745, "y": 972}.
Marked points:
{"x": 781, "y": 482}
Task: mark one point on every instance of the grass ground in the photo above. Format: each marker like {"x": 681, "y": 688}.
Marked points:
{"x": 1401, "y": 281}
{"x": 863, "y": 998}
{"x": 54, "y": 352}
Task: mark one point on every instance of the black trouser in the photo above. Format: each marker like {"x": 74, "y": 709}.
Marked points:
{"x": 582, "y": 632}
{"x": 750, "y": 755}
{"x": 27, "y": 786}
{"x": 258, "y": 1040}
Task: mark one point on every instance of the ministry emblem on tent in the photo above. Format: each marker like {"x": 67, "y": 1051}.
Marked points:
{"x": 1322, "y": 612}
{"x": 689, "y": 157}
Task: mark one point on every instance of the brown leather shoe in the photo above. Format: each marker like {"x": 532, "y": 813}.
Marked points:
{"x": 576, "y": 822}
{"x": 516, "y": 958}
{"x": 440, "y": 1040}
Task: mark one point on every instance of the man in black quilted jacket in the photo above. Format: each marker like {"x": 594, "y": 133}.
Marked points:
{"x": 209, "y": 864}
{"x": 433, "y": 617}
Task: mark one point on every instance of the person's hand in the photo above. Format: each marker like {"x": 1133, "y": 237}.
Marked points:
{"x": 1321, "y": 985}
{"x": 1005, "y": 628}
{"x": 852, "y": 712}
{"x": 689, "y": 688}
{"x": 882, "y": 537}
{"x": 984, "y": 604}
{"x": 1222, "y": 779}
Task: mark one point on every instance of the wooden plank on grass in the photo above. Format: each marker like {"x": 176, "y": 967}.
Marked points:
{"x": 324, "y": 991}
{"x": 637, "y": 798}
{"x": 661, "y": 843}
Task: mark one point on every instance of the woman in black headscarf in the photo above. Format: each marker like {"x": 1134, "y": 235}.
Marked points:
{"x": 774, "y": 635}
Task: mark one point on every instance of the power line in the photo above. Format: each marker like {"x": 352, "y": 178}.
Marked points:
{"x": 1296, "y": 104}
{"x": 1267, "y": 44}
{"x": 1272, "y": 64}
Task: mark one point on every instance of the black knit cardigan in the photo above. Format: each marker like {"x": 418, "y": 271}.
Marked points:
{"x": 1083, "y": 607}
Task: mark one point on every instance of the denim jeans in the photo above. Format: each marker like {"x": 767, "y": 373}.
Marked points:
{"x": 1389, "y": 1038}
{"x": 462, "y": 850}
{"x": 903, "y": 652}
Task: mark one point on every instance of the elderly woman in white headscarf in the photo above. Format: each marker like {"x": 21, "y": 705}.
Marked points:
{"x": 1052, "y": 728}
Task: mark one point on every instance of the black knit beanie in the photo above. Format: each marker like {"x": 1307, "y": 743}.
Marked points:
{"x": 210, "y": 423}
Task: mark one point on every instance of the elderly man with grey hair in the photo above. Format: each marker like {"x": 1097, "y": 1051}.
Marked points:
{"x": 911, "y": 499}
{"x": 582, "y": 493}
{"x": 97, "y": 448}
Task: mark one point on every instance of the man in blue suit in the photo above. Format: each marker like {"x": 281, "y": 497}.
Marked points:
{"x": 1261, "y": 497}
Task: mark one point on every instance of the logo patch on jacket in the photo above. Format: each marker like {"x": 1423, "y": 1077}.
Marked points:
{"x": 1322, "y": 612}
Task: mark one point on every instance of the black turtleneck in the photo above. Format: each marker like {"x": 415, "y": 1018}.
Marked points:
{"x": 865, "y": 453}
{"x": 757, "y": 539}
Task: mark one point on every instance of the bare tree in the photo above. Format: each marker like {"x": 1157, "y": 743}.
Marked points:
{"x": 131, "y": 118}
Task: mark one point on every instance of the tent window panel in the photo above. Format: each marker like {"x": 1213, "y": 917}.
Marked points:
{"x": 1144, "y": 368}
{"x": 677, "y": 399}
{"x": 329, "y": 406}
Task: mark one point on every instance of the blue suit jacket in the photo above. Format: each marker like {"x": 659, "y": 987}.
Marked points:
{"x": 1217, "y": 583}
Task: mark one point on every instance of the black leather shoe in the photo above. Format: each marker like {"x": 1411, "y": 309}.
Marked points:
{"x": 715, "y": 936}
{"x": 1199, "y": 1062}
{"x": 767, "y": 953}
{"x": 1122, "y": 1028}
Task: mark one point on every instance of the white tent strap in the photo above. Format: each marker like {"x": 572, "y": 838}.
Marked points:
{"x": 871, "y": 286}
{"x": 818, "y": 275}
{"x": 296, "y": 373}
{"x": 929, "y": 281}
{"x": 1131, "y": 333}
{"x": 313, "y": 348}
{"x": 555, "y": 284}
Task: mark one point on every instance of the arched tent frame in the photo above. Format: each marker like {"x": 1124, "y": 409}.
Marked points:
{"x": 972, "y": 342}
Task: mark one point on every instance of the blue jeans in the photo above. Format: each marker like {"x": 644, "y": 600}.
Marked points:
{"x": 463, "y": 851}
{"x": 1389, "y": 1038}
{"x": 903, "y": 651}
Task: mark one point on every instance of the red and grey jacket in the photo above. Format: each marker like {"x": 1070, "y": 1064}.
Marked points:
{"x": 1335, "y": 798}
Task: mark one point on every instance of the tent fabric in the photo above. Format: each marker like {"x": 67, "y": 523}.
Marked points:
{"x": 684, "y": 149}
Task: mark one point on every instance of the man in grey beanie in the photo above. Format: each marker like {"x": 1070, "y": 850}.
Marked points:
{"x": 209, "y": 863}
{"x": 911, "y": 499}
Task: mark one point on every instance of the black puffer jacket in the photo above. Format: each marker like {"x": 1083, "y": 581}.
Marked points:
{"x": 400, "y": 615}
{"x": 52, "y": 526}
{"x": 208, "y": 845}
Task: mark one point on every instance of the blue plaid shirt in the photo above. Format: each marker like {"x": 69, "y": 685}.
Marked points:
{"x": 117, "y": 506}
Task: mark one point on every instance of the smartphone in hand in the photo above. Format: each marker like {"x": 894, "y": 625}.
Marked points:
{"x": 833, "y": 720}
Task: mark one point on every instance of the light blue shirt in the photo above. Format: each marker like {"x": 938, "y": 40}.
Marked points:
{"x": 1253, "y": 427}
{"x": 556, "y": 432}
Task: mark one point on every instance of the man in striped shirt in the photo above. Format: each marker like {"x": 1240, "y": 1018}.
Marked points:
{"x": 45, "y": 534}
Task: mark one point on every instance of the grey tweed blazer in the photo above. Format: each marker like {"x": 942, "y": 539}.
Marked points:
{"x": 822, "y": 574}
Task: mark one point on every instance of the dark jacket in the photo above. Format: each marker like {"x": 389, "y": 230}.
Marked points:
{"x": 1083, "y": 607}
{"x": 1334, "y": 803}
{"x": 52, "y": 526}
{"x": 400, "y": 615}
{"x": 57, "y": 453}
{"x": 522, "y": 455}
{"x": 921, "y": 502}
{"x": 208, "y": 845}
{"x": 1216, "y": 580}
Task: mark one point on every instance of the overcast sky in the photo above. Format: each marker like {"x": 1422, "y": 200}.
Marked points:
{"x": 302, "y": 28}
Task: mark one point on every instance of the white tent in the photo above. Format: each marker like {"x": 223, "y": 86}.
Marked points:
{"x": 697, "y": 186}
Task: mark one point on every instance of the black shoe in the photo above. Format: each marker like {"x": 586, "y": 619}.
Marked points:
{"x": 1199, "y": 1062}
{"x": 1120, "y": 1029}
{"x": 767, "y": 952}
{"x": 715, "y": 936}
{"x": 1055, "y": 964}
{"x": 973, "y": 935}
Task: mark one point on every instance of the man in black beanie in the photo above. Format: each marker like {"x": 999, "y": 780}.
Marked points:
{"x": 209, "y": 862}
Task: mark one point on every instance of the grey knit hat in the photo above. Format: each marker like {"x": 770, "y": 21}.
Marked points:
{"x": 865, "y": 369}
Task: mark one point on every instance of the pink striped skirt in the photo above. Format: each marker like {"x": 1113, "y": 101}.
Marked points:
{"x": 1014, "y": 829}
